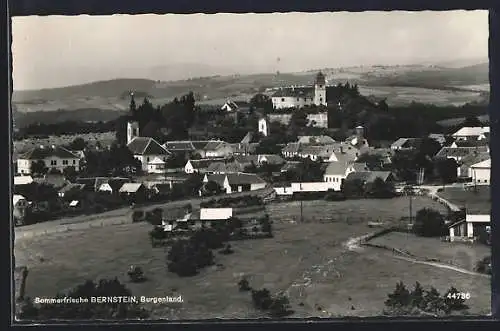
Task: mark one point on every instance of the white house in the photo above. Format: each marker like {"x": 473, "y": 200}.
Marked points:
{"x": 480, "y": 172}
{"x": 198, "y": 166}
{"x": 147, "y": 149}
{"x": 157, "y": 166}
{"x": 22, "y": 180}
{"x": 209, "y": 214}
{"x": 297, "y": 97}
{"x": 470, "y": 227}
{"x": 472, "y": 133}
{"x": 237, "y": 182}
{"x": 335, "y": 174}
{"x": 217, "y": 149}
{"x": 54, "y": 157}
{"x": 319, "y": 120}
{"x": 264, "y": 126}
{"x": 229, "y": 106}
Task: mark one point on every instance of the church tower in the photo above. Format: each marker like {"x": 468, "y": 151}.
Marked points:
{"x": 320, "y": 90}
{"x": 132, "y": 130}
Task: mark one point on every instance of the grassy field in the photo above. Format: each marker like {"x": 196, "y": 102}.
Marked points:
{"x": 309, "y": 261}
{"x": 459, "y": 254}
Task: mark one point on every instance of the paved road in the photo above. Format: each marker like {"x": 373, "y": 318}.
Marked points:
{"x": 114, "y": 217}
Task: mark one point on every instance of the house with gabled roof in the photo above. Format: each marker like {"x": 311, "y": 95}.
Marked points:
{"x": 463, "y": 169}
{"x": 472, "y": 133}
{"x": 405, "y": 144}
{"x": 236, "y": 182}
{"x": 146, "y": 149}
{"x": 460, "y": 153}
{"x": 199, "y": 166}
{"x": 481, "y": 172}
{"x": 229, "y": 106}
{"x": 217, "y": 149}
{"x": 133, "y": 192}
{"x": 54, "y": 157}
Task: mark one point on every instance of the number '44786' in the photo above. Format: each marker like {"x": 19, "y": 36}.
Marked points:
{"x": 459, "y": 295}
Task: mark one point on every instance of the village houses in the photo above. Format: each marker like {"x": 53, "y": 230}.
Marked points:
{"x": 53, "y": 157}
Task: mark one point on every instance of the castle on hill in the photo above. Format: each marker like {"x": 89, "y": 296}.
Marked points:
{"x": 298, "y": 97}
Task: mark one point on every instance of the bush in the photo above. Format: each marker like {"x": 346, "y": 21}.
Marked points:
{"x": 262, "y": 299}
{"x": 136, "y": 274}
{"x": 138, "y": 216}
{"x": 484, "y": 265}
{"x": 244, "y": 285}
{"x": 420, "y": 301}
{"x": 334, "y": 196}
{"x": 227, "y": 250}
{"x": 429, "y": 223}
{"x": 186, "y": 257}
{"x": 153, "y": 218}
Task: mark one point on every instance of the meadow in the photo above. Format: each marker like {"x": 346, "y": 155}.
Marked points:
{"x": 309, "y": 261}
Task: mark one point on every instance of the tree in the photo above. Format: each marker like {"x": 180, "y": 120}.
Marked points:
{"x": 429, "y": 223}
{"x": 298, "y": 119}
{"x": 373, "y": 161}
{"x": 261, "y": 101}
{"x": 434, "y": 303}
{"x": 78, "y": 144}
{"x": 186, "y": 257}
{"x": 472, "y": 121}
{"x": 446, "y": 169}
{"x": 280, "y": 306}
{"x": 399, "y": 298}
{"x": 89, "y": 310}
{"x": 353, "y": 188}
{"x": 212, "y": 188}
{"x": 69, "y": 173}
{"x": 192, "y": 185}
{"x": 38, "y": 168}
{"x": 454, "y": 301}
{"x": 417, "y": 296}
{"x": 244, "y": 285}
{"x": 380, "y": 189}
{"x": 262, "y": 299}
{"x": 382, "y": 105}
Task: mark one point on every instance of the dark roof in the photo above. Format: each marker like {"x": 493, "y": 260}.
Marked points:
{"x": 161, "y": 187}
{"x": 201, "y": 164}
{"x": 214, "y": 145}
{"x": 471, "y": 143}
{"x": 290, "y": 165}
{"x": 72, "y": 187}
{"x": 336, "y": 168}
{"x": 218, "y": 178}
{"x": 475, "y": 158}
{"x": 320, "y": 78}
{"x": 460, "y": 151}
{"x": 271, "y": 159}
{"x": 199, "y": 144}
{"x": 221, "y": 167}
{"x": 244, "y": 148}
{"x": 43, "y": 152}
{"x": 296, "y": 92}
{"x": 146, "y": 146}
{"x": 116, "y": 184}
{"x": 57, "y": 181}
{"x": 244, "y": 179}
{"x": 368, "y": 176}
{"x": 174, "y": 146}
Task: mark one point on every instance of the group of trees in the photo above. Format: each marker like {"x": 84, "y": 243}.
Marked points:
{"x": 421, "y": 302}
{"x": 117, "y": 161}
{"x": 276, "y": 306}
{"x": 429, "y": 223}
{"x": 176, "y": 117}
{"x": 378, "y": 189}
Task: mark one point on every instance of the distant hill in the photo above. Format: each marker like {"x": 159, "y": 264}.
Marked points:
{"x": 106, "y": 89}
{"x": 399, "y": 84}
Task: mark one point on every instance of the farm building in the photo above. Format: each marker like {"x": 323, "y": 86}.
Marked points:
{"x": 198, "y": 166}
{"x": 53, "y": 157}
{"x": 477, "y": 205}
{"x": 225, "y": 168}
{"x": 460, "y": 153}
{"x": 480, "y": 172}
{"x": 405, "y": 144}
{"x": 133, "y": 192}
{"x": 358, "y": 139}
{"x": 464, "y": 166}
{"x": 236, "y": 182}
{"x": 71, "y": 191}
{"x": 55, "y": 180}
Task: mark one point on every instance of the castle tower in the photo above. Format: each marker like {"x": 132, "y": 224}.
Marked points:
{"x": 132, "y": 131}
{"x": 320, "y": 90}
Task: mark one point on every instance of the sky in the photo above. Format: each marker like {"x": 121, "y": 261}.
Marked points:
{"x": 53, "y": 51}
